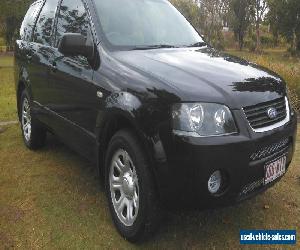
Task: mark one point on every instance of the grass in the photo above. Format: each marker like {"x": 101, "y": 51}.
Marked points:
{"x": 51, "y": 199}
{"x": 2, "y": 42}
{"x": 280, "y": 62}
{"x": 7, "y": 92}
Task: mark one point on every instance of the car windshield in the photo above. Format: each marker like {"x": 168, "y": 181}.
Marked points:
{"x": 142, "y": 24}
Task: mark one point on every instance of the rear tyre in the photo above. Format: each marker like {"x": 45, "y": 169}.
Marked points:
{"x": 130, "y": 188}
{"x": 34, "y": 135}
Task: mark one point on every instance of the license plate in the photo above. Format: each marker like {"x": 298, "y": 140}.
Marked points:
{"x": 275, "y": 169}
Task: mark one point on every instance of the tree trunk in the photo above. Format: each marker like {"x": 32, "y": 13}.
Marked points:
{"x": 297, "y": 38}
{"x": 276, "y": 38}
{"x": 241, "y": 41}
{"x": 257, "y": 36}
{"x": 294, "y": 41}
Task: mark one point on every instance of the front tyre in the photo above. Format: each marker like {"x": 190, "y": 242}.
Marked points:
{"x": 34, "y": 135}
{"x": 130, "y": 188}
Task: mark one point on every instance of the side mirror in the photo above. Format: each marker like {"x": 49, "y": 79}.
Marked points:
{"x": 75, "y": 44}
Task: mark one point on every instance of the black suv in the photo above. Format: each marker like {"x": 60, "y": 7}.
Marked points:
{"x": 169, "y": 121}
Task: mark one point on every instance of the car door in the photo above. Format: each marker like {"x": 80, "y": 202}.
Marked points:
{"x": 41, "y": 53}
{"x": 23, "y": 49}
{"x": 72, "y": 97}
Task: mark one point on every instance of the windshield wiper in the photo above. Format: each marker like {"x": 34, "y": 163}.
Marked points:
{"x": 165, "y": 46}
{"x": 160, "y": 46}
{"x": 198, "y": 44}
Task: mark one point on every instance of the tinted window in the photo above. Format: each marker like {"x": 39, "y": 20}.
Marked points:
{"x": 43, "y": 29}
{"x": 29, "y": 21}
{"x": 72, "y": 18}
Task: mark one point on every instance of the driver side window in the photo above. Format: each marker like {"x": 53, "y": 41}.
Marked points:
{"x": 72, "y": 18}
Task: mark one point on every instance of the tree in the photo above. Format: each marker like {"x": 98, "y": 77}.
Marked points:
{"x": 290, "y": 26}
{"x": 12, "y": 25}
{"x": 208, "y": 16}
{"x": 273, "y": 18}
{"x": 11, "y": 15}
{"x": 240, "y": 19}
{"x": 259, "y": 8}
{"x": 213, "y": 12}
{"x": 190, "y": 10}
{"x": 287, "y": 20}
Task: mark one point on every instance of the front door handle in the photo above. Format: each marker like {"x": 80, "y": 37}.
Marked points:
{"x": 53, "y": 67}
{"x": 29, "y": 57}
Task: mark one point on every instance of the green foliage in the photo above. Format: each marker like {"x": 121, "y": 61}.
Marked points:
{"x": 206, "y": 18}
{"x": 273, "y": 17}
{"x": 250, "y": 44}
{"x": 218, "y": 41}
{"x": 267, "y": 40}
{"x": 7, "y": 91}
{"x": 12, "y": 13}
{"x": 2, "y": 41}
{"x": 190, "y": 10}
{"x": 229, "y": 40}
{"x": 239, "y": 19}
{"x": 284, "y": 18}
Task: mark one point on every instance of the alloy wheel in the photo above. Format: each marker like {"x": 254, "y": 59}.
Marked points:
{"x": 124, "y": 187}
{"x": 26, "y": 119}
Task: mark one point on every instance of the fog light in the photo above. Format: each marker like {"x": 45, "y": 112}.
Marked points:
{"x": 214, "y": 182}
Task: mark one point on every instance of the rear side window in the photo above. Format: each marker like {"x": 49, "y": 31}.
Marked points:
{"x": 43, "y": 29}
{"x": 72, "y": 18}
{"x": 29, "y": 21}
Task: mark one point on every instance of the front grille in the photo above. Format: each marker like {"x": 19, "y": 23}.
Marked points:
{"x": 269, "y": 150}
{"x": 258, "y": 117}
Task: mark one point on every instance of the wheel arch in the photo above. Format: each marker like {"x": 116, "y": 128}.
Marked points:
{"x": 116, "y": 120}
{"x": 20, "y": 88}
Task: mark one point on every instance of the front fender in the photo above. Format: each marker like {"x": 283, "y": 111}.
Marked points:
{"x": 118, "y": 105}
{"x": 127, "y": 110}
{"x": 20, "y": 71}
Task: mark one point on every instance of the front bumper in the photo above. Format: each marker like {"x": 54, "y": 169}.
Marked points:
{"x": 183, "y": 178}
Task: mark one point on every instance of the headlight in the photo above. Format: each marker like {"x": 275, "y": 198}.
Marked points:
{"x": 202, "y": 119}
